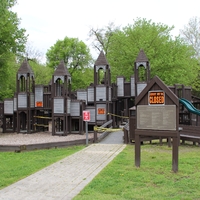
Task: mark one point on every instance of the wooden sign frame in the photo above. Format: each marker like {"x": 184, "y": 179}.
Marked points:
{"x": 157, "y": 89}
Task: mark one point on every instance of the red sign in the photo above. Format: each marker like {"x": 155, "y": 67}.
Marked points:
{"x": 86, "y": 115}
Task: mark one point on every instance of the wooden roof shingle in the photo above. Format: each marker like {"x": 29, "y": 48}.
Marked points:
{"x": 61, "y": 70}
{"x": 25, "y": 68}
{"x": 141, "y": 57}
{"x": 101, "y": 60}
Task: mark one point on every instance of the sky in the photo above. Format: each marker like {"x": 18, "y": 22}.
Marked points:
{"x": 47, "y": 21}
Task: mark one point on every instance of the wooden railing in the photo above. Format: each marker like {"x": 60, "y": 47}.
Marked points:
{"x": 190, "y": 133}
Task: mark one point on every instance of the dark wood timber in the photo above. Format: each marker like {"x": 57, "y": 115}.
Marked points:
{"x": 170, "y": 99}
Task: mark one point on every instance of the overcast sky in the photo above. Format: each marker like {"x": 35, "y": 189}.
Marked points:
{"x": 46, "y": 21}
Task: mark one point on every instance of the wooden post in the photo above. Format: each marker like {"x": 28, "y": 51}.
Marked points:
{"x": 95, "y": 137}
{"x": 175, "y": 154}
{"x": 126, "y": 139}
{"x": 137, "y": 150}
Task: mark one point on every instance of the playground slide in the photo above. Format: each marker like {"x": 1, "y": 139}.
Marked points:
{"x": 189, "y": 106}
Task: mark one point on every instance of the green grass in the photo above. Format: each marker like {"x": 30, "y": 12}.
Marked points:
{"x": 15, "y": 166}
{"x": 120, "y": 179}
{"x": 153, "y": 180}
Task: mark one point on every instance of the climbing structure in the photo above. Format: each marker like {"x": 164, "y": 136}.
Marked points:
{"x": 55, "y": 108}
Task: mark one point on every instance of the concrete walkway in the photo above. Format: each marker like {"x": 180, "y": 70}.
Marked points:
{"x": 64, "y": 179}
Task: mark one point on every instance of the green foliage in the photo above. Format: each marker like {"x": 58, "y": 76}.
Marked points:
{"x": 15, "y": 166}
{"x": 8, "y": 77}
{"x": 12, "y": 43}
{"x": 82, "y": 78}
{"x": 12, "y": 38}
{"x": 76, "y": 56}
{"x": 153, "y": 180}
{"x": 170, "y": 58}
{"x": 73, "y": 52}
{"x": 196, "y": 85}
{"x": 42, "y": 76}
{"x": 42, "y": 73}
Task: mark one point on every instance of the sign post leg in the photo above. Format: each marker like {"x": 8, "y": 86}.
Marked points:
{"x": 137, "y": 150}
{"x": 175, "y": 154}
{"x": 86, "y": 130}
{"x": 86, "y": 118}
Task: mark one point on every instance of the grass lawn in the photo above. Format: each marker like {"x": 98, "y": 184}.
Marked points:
{"x": 153, "y": 180}
{"x": 15, "y": 166}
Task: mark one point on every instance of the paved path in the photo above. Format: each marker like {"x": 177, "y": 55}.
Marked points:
{"x": 64, "y": 179}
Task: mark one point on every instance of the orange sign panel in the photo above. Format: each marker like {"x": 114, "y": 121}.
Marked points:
{"x": 101, "y": 111}
{"x": 39, "y": 104}
{"x": 156, "y": 98}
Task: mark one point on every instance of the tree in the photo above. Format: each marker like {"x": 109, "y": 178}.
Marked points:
{"x": 8, "y": 77}
{"x": 12, "y": 43}
{"x": 12, "y": 38}
{"x": 74, "y": 53}
{"x": 82, "y": 78}
{"x": 101, "y": 37}
{"x": 42, "y": 73}
{"x": 33, "y": 54}
{"x": 170, "y": 58}
{"x": 191, "y": 34}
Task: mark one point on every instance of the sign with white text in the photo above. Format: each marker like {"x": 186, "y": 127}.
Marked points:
{"x": 86, "y": 115}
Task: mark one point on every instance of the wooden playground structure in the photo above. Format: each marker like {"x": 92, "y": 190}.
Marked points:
{"x": 57, "y": 109}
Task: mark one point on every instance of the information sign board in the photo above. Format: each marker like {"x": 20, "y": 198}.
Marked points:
{"x": 160, "y": 117}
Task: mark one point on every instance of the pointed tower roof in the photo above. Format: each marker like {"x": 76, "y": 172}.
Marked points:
{"x": 101, "y": 60}
{"x": 141, "y": 57}
{"x": 25, "y": 68}
{"x": 61, "y": 70}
